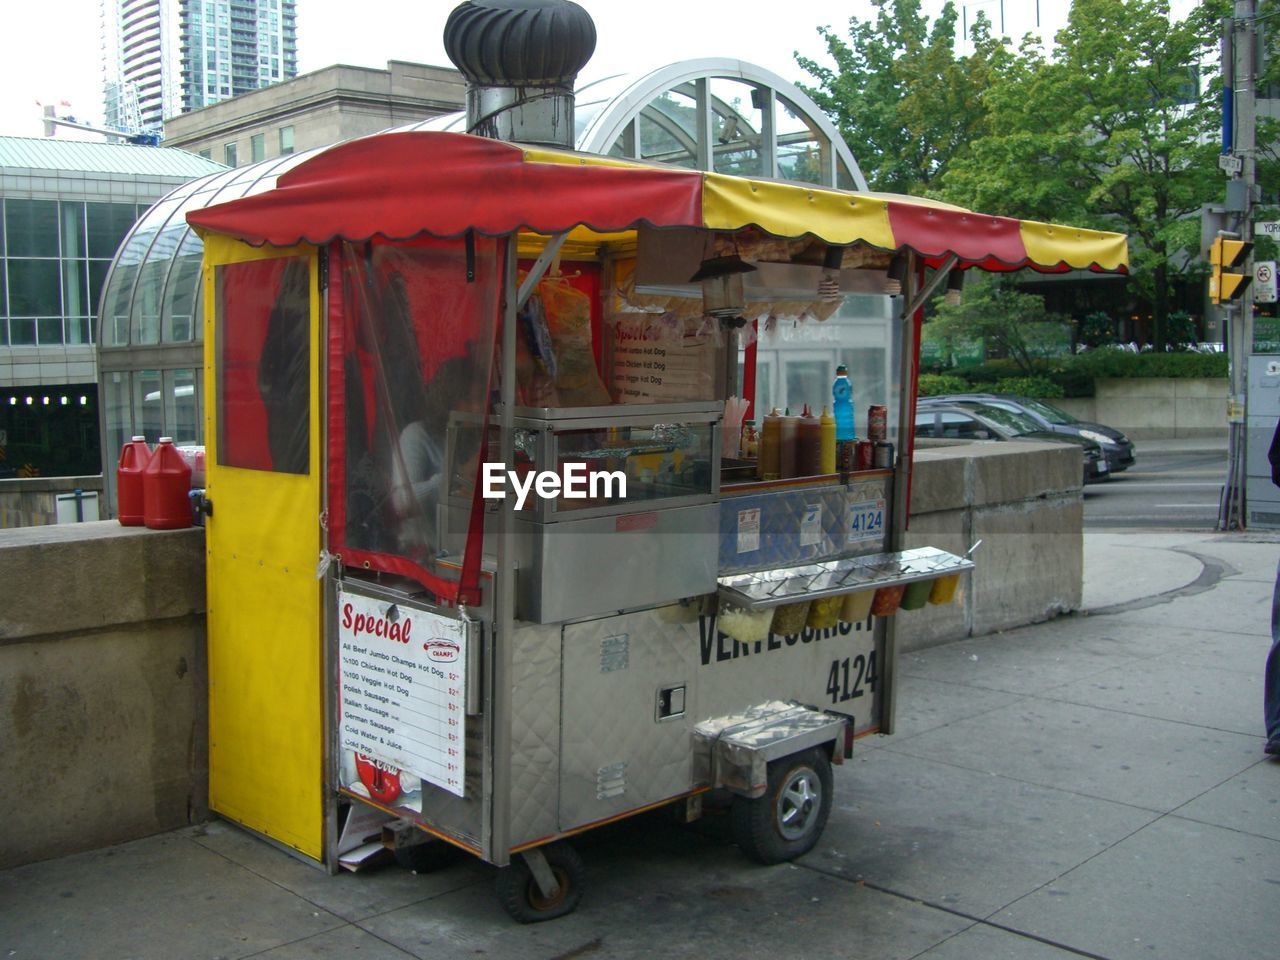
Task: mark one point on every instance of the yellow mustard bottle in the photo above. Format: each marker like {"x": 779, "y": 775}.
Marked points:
{"x": 828, "y": 427}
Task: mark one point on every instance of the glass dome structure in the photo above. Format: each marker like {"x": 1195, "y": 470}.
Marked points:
{"x": 718, "y": 115}
{"x": 150, "y": 342}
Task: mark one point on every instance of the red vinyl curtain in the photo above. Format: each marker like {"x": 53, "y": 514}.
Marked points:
{"x": 412, "y": 333}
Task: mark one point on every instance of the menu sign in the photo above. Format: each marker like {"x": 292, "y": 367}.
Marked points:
{"x": 401, "y": 687}
{"x": 657, "y": 371}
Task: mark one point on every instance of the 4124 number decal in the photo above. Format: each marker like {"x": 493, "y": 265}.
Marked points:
{"x": 847, "y": 677}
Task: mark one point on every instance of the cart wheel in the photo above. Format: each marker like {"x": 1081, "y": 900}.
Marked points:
{"x": 787, "y": 820}
{"x": 519, "y": 894}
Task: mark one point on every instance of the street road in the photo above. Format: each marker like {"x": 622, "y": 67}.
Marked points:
{"x": 1166, "y": 488}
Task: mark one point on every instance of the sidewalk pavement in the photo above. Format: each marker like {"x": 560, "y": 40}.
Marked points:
{"x": 1093, "y": 786}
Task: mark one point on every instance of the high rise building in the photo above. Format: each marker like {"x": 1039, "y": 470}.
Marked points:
{"x": 165, "y": 57}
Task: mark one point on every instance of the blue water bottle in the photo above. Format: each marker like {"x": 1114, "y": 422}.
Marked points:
{"x": 842, "y": 404}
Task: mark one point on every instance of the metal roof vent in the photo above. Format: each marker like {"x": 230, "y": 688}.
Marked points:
{"x": 520, "y": 58}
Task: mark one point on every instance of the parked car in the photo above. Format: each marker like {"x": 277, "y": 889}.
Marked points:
{"x": 1117, "y": 447}
{"x": 977, "y": 420}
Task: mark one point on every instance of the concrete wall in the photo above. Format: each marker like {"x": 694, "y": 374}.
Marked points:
{"x": 102, "y": 686}
{"x": 1156, "y": 408}
{"x": 28, "y": 503}
{"x": 1023, "y": 501}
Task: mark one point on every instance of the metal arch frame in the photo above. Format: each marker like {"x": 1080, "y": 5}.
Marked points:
{"x": 611, "y": 122}
{"x": 669, "y": 124}
{"x": 717, "y": 107}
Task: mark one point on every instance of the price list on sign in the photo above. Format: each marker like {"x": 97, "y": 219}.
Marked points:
{"x": 401, "y": 687}
{"x": 648, "y": 371}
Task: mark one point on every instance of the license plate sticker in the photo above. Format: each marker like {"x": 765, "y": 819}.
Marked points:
{"x": 866, "y": 520}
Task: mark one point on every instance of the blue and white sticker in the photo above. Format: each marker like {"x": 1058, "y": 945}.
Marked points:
{"x": 866, "y": 520}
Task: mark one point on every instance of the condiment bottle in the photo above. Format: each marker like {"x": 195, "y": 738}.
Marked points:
{"x": 750, "y": 441}
{"x": 769, "y": 467}
{"x": 788, "y": 440}
{"x": 827, "y": 425}
{"x": 842, "y": 403}
{"x": 809, "y": 445}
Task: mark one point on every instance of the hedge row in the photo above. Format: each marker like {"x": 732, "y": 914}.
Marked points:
{"x": 1072, "y": 376}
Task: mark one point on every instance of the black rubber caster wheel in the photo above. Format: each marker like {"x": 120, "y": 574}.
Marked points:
{"x": 520, "y": 896}
{"x": 788, "y": 819}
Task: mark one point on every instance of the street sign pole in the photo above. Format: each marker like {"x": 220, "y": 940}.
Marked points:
{"x": 1238, "y": 65}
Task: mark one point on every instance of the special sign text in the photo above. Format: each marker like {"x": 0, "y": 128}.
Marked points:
{"x": 402, "y": 688}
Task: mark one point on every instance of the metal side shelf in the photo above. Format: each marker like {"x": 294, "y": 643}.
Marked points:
{"x": 812, "y": 581}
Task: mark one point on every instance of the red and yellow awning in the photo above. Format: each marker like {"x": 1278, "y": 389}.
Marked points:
{"x": 402, "y": 185}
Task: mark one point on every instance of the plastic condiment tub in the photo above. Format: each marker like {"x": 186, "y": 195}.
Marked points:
{"x": 743, "y": 625}
{"x": 917, "y": 594}
{"x": 887, "y": 600}
{"x": 857, "y": 606}
{"x": 825, "y": 613}
{"x": 790, "y": 618}
{"x": 944, "y": 588}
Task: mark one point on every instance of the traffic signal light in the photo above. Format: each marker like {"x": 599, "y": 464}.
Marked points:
{"x": 1224, "y": 254}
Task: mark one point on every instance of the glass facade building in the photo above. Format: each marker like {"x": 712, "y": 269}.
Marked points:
{"x": 165, "y": 57}
{"x": 65, "y": 208}
{"x": 230, "y": 47}
{"x": 55, "y": 256}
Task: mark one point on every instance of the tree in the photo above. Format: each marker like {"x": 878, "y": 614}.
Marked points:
{"x": 1011, "y": 323}
{"x": 900, "y": 93}
{"x": 1110, "y": 131}
{"x": 1095, "y": 330}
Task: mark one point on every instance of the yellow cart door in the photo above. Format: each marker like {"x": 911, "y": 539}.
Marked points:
{"x": 263, "y": 466}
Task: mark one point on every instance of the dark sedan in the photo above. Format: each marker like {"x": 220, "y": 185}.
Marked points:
{"x": 1117, "y": 447}
{"x": 976, "y": 420}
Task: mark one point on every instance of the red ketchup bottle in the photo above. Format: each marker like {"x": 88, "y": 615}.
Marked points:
{"x": 134, "y": 457}
{"x": 165, "y": 485}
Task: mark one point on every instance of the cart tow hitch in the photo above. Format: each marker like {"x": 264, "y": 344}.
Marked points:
{"x": 542, "y": 875}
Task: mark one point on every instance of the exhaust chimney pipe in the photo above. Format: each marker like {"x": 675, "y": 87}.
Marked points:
{"x": 520, "y": 58}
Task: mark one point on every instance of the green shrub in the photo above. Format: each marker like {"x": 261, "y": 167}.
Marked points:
{"x": 936, "y": 384}
{"x": 1074, "y": 380}
{"x": 1074, "y": 375}
{"x": 1030, "y": 387}
{"x": 1123, "y": 364}
{"x": 991, "y": 371}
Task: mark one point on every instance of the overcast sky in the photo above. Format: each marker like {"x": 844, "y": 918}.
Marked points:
{"x": 50, "y": 50}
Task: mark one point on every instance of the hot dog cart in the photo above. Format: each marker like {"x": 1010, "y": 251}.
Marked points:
{"x": 410, "y": 329}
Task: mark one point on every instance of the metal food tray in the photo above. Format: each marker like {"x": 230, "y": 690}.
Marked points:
{"x": 812, "y": 581}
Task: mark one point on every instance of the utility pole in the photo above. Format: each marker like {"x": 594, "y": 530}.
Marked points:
{"x": 1239, "y": 70}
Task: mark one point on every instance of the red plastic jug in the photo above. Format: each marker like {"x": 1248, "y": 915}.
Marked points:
{"x": 134, "y": 457}
{"x": 165, "y": 484}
